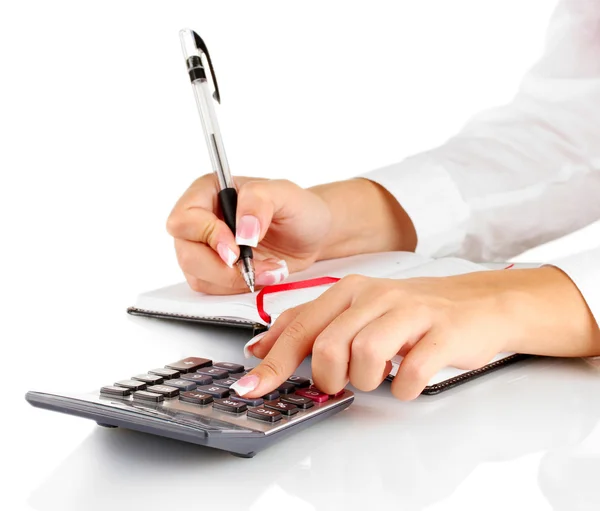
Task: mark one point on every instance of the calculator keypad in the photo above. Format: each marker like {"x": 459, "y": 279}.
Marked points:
{"x": 198, "y": 382}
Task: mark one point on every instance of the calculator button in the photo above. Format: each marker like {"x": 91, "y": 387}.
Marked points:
{"x": 148, "y": 396}
{"x": 229, "y": 405}
{"x": 189, "y": 364}
{"x": 337, "y": 394}
{"x": 214, "y": 372}
{"x": 224, "y": 383}
{"x": 198, "y": 398}
{"x": 314, "y": 394}
{"x": 150, "y": 379}
{"x": 264, "y": 414}
{"x": 167, "y": 374}
{"x": 252, "y": 401}
{"x": 299, "y": 401}
{"x": 286, "y": 388}
{"x": 113, "y": 390}
{"x": 270, "y": 396}
{"x": 197, "y": 378}
{"x": 214, "y": 391}
{"x": 230, "y": 367}
{"x": 132, "y": 384}
{"x": 182, "y": 384}
{"x": 164, "y": 390}
{"x": 284, "y": 408}
{"x": 299, "y": 381}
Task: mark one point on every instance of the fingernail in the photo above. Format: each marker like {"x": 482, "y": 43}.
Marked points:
{"x": 226, "y": 254}
{"x": 247, "y": 231}
{"x": 270, "y": 277}
{"x": 252, "y": 342}
{"x": 246, "y": 384}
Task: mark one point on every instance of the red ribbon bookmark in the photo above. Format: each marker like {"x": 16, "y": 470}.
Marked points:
{"x": 302, "y": 284}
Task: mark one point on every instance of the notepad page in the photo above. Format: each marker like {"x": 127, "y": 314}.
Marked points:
{"x": 179, "y": 299}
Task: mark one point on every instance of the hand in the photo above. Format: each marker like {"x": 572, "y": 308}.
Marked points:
{"x": 287, "y": 225}
{"x": 360, "y": 323}
{"x": 290, "y": 227}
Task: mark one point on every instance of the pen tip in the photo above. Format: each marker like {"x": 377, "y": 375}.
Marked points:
{"x": 251, "y": 288}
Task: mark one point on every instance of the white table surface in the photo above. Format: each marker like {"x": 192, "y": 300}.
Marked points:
{"x": 526, "y": 437}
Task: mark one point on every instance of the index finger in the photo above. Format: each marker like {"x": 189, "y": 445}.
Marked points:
{"x": 295, "y": 343}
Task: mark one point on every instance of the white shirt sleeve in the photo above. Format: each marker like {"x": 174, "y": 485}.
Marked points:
{"x": 524, "y": 173}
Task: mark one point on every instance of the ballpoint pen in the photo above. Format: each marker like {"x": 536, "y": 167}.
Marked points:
{"x": 196, "y": 56}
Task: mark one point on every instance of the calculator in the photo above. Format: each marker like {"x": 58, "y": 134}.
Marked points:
{"x": 191, "y": 400}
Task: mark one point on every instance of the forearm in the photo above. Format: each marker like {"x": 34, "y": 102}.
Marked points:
{"x": 366, "y": 218}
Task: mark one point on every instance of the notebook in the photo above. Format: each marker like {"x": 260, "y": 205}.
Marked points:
{"x": 181, "y": 303}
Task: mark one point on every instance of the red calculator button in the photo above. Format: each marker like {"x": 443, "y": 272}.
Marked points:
{"x": 316, "y": 395}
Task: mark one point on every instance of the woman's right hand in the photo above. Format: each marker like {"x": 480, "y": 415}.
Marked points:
{"x": 286, "y": 224}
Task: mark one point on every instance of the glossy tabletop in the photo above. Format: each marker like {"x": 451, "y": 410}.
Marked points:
{"x": 526, "y": 437}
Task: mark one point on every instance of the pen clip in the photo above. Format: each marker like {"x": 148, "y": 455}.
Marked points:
{"x": 202, "y": 46}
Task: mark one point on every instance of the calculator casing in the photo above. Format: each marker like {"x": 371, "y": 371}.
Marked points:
{"x": 201, "y": 425}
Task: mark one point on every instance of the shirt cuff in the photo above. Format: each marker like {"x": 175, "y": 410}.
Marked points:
{"x": 584, "y": 270}
{"x": 431, "y": 199}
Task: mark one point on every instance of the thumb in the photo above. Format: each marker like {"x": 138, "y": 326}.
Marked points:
{"x": 258, "y": 203}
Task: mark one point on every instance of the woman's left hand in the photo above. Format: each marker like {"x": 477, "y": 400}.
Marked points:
{"x": 360, "y": 323}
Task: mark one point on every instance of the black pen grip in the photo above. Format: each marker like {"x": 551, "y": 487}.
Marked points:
{"x": 228, "y": 203}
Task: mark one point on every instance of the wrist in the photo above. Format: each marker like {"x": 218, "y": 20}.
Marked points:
{"x": 365, "y": 218}
{"x": 552, "y": 316}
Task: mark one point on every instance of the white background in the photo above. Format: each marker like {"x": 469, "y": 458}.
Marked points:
{"x": 100, "y": 135}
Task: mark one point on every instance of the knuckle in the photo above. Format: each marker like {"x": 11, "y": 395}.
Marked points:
{"x": 174, "y": 223}
{"x": 208, "y": 179}
{"x": 365, "y": 348}
{"x": 195, "y": 285}
{"x": 252, "y": 188}
{"x": 295, "y": 332}
{"x": 353, "y": 280}
{"x": 272, "y": 367}
{"x": 185, "y": 258}
{"x": 396, "y": 294}
{"x": 286, "y": 183}
{"x": 286, "y": 316}
{"x": 207, "y": 232}
{"x": 325, "y": 351}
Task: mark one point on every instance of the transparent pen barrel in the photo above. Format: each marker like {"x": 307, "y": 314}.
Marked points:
{"x": 210, "y": 125}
